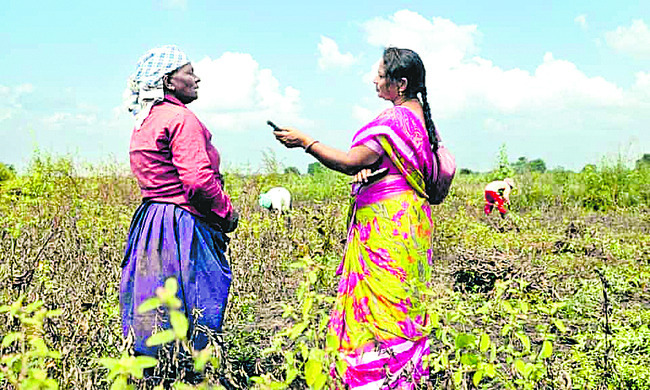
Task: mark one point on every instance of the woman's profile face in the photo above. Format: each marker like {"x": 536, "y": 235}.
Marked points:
{"x": 385, "y": 88}
{"x": 183, "y": 84}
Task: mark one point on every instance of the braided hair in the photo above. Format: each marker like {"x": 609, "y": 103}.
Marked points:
{"x": 405, "y": 63}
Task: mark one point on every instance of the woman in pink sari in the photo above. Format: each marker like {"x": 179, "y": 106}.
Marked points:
{"x": 379, "y": 324}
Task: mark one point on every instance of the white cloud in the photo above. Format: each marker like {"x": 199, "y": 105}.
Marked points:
{"x": 10, "y": 99}
{"x": 24, "y": 89}
{"x": 581, "y": 20}
{"x": 531, "y": 110}
{"x": 458, "y": 81}
{"x": 640, "y": 91}
{"x": 450, "y": 42}
{"x": 331, "y": 57}
{"x": 59, "y": 119}
{"x": 368, "y": 77}
{"x": 363, "y": 114}
{"x": 643, "y": 79}
{"x": 236, "y": 94}
{"x": 633, "y": 40}
{"x": 495, "y": 126}
{"x": 5, "y": 108}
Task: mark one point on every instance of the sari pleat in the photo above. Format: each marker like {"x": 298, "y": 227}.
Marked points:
{"x": 378, "y": 320}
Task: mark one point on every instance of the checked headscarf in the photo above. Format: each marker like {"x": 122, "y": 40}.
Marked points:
{"x": 145, "y": 86}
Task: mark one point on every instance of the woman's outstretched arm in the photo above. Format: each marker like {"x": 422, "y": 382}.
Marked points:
{"x": 349, "y": 162}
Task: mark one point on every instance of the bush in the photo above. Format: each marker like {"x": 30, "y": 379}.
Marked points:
{"x": 7, "y": 172}
{"x": 62, "y": 241}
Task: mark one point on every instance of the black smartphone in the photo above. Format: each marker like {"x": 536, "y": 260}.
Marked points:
{"x": 275, "y": 128}
{"x": 375, "y": 175}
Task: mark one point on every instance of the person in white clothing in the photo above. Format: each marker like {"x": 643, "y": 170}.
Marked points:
{"x": 276, "y": 199}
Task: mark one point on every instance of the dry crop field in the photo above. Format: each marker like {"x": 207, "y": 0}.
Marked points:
{"x": 556, "y": 296}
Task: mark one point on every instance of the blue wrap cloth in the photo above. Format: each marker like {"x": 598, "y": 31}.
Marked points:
{"x": 167, "y": 241}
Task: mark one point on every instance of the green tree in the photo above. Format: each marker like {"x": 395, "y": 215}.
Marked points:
{"x": 643, "y": 161}
{"x": 7, "y": 171}
{"x": 521, "y": 165}
{"x": 589, "y": 168}
{"x": 315, "y": 168}
{"x": 292, "y": 170}
{"x": 537, "y": 165}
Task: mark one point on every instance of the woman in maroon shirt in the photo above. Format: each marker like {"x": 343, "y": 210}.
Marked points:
{"x": 180, "y": 228}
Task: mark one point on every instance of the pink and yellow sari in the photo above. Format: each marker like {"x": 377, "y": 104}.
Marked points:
{"x": 379, "y": 323}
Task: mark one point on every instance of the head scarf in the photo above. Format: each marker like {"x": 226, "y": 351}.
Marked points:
{"x": 265, "y": 201}
{"x": 145, "y": 86}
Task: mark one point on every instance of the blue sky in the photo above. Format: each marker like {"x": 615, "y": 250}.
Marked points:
{"x": 568, "y": 82}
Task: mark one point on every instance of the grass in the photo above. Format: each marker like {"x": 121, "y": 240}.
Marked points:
{"x": 578, "y": 242}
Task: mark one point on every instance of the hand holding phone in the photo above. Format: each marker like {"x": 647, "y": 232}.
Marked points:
{"x": 373, "y": 176}
{"x": 275, "y": 128}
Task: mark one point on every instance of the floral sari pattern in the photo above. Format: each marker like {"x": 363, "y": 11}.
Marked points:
{"x": 379, "y": 323}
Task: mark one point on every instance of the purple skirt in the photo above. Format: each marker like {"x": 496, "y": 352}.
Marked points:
{"x": 167, "y": 241}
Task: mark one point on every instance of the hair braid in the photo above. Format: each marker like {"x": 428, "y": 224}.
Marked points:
{"x": 405, "y": 63}
{"x": 428, "y": 122}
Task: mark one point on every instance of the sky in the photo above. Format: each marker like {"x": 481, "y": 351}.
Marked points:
{"x": 567, "y": 82}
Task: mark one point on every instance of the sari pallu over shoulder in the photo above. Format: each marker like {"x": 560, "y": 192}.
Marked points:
{"x": 404, "y": 138}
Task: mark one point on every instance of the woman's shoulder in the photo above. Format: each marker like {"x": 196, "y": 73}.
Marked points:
{"x": 408, "y": 112}
{"x": 389, "y": 113}
{"x": 385, "y": 118}
{"x": 174, "y": 109}
{"x": 397, "y": 114}
{"x": 392, "y": 118}
{"x": 173, "y": 113}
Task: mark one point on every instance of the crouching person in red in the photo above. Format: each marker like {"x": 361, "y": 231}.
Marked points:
{"x": 498, "y": 193}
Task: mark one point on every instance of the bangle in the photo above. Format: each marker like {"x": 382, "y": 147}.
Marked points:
{"x": 310, "y": 145}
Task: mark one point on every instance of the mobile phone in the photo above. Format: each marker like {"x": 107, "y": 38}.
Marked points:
{"x": 377, "y": 174}
{"x": 374, "y": 175}
{"x": 275, "y": 128}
